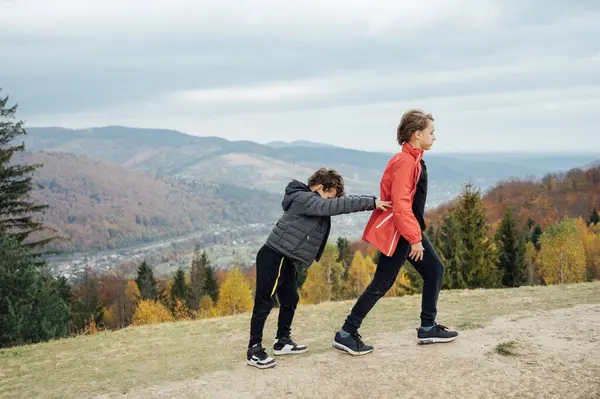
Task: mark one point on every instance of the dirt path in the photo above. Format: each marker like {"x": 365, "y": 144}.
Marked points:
{"x": 557, "y": 355}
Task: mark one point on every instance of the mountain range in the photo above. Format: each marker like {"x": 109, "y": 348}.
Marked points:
{"x": 263, "y": 166}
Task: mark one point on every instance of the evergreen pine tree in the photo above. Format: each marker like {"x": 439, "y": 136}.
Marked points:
{"x": 535, "y": 236}
{"x": 511, "y": 255}
{"x": 302, "y": 270}
{"x": 209, "y": 286}
{"x": 146, "y": 282}
{"x": 479, "y": 254}
{"x": 17, "y": 210}
{"x": 196, "y": 288}
{"x": 452, "y": 252}
{"x": 179, "y": 287}
{"x": 432, "y": 234}
{"x": 530, "y": 223}
{"x": 64, "y": 289}
{"x": 31, "y": 307}
{"x": 345, "y": 254}
{"x": 594, "y": 217}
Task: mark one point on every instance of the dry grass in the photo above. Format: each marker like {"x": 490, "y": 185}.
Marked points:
{"x": 469, "y": 325}
{"x": 508, "y": 348}
{"x": 134, "y": 358}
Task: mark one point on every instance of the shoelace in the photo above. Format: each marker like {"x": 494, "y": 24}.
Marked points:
{"x": 288, "y": 340}
{"x": 441, "y": 327}
{"x": 357, "y": 338}
{"x": 262, "y": 354}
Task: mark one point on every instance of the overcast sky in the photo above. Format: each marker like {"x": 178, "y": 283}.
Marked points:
{"x": 497, "y": 74}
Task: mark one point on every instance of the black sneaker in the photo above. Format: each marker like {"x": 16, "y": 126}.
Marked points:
{"x": 437, "y": 334}
{"x": 257, "y": 357}
{"x": 352, "y": 344}
{"x": 286, "y": 346}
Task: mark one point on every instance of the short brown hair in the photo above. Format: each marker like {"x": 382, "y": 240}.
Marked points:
{"x": 329, "y": 178}
{"x": 412, "y": 121}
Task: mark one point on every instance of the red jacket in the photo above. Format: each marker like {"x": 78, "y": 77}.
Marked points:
{"x": 398, "y": 184}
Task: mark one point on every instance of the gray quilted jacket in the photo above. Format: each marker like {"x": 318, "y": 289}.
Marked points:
{"x": 302, "y": 231}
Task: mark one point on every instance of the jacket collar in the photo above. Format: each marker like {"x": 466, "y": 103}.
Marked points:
{"x": 415, "y": 152}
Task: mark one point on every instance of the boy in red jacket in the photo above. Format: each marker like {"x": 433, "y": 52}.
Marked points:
{"x": 398, "y": 234}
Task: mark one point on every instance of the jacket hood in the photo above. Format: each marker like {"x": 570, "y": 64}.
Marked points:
{"x": 293, "y": 189}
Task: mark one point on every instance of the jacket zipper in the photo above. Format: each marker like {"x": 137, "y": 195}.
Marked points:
{"x": 388, "y": 217}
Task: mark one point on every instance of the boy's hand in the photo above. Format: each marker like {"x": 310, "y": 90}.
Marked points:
{"x": 383, "y": 205}
{"x": 416, "y": 251}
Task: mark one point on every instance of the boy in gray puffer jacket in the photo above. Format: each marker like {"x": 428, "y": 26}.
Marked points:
{"x": 300, "y": 235}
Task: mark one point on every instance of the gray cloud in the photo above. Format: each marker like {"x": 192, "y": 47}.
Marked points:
{"x": 264, "y": 70}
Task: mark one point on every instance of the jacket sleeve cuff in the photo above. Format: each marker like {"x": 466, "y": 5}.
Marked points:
{"x": 414, "y": 240}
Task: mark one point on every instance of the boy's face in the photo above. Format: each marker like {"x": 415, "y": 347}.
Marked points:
{"x": 331, "y": 193}
{"x": 426, "y": 137}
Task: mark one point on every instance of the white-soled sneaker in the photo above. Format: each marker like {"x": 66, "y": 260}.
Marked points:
{"x": 286, "y": 346}
{"x": 257, "y": 357}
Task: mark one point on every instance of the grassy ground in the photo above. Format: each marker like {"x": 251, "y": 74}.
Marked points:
{"x": 136, "y": 358}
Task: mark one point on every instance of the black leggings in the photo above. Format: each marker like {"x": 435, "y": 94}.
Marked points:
{"x": 431, "y": 269}
{"x": 275, "y": 274}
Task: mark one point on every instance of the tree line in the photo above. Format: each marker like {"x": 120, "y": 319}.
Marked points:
{"x": 517, "y": 253}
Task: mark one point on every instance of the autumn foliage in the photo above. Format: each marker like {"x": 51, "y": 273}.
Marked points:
{"x": 315, "y": 289}
{"x": 181, "y": 311}
{"x": 325, "y": 279}
{"x": 235, "y": 295}
{"x": 207, "y": 308}
{"x": 554, "y": 197}
{"x": 149, "y": 311}
{"x": 360, "y": 274}
{"x": 562, "y": 258}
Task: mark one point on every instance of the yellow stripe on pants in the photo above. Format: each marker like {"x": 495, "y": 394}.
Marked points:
{"x": 277, "y": 279}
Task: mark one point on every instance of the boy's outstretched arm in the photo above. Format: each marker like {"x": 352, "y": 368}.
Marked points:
{"x": 315, "y": 205}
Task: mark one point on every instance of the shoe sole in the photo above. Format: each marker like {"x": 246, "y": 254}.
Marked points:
{"x": 289, "y": 352}
{"x": 344, "y": 348}
{"x": 260, "y": 366}
{"x": 429, "y": 341}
